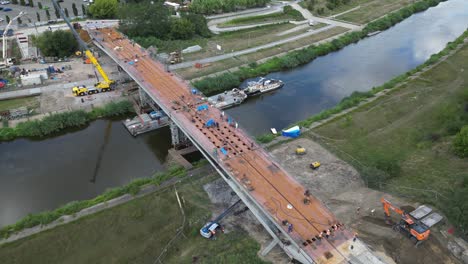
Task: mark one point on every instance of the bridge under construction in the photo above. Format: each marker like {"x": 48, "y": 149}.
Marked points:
{"x": 297, "y": 221}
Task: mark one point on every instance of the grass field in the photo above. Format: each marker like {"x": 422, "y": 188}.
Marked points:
{"x": 137, "y": 232}
{"x": 402, "y": 141}
{"x": 192, "y": 72}
{"x": 371, "y": 10}
{"x": 258, "y": 19}
{"x": 31, "y": 102}
{"x": 239, "y": 40}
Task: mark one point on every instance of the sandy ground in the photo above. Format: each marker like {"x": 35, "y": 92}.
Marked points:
{"x": 340, "y": 187}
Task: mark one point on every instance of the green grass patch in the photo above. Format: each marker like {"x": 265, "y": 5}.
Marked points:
{"x": 402, "y": 142}
{"x": 288, "y": 14}
{"x": 30, "y": 102}
{"x": 57, "y": 122}
{"x": 137, "y": 232}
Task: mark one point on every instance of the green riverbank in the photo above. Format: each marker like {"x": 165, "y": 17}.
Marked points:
{"x": 138, "y": 232}
{"x": 226, "y": 81}
{"x": 357, "y": 98}
{"x": 55, "y": 123}
{"x": 404, "y": 141}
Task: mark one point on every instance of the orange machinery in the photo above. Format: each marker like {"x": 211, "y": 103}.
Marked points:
{"x": 415, "y": 230}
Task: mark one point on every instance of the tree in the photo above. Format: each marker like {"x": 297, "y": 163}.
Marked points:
{"x": 22, "y": 2}
{"x": 38, "y": 16}
{"x": 145, "y": 19}
{"x": 39, "y": 4}
{"x": 56, "y": 43}
{"x": 199, "y": 21}
{"x": 57, "y": 13}
{"x": 15, "y": 2}
{"x": 104, "y": 9}
{"x": 83, "y": 10}
{"x": 47, "y": 14}
{"x": 66, "y": 12}
{"x": 7, "y": 18}
{"x": 75, "y": 10}
{"x": 19, "y": 20}
{"x": 182, "y": 28}
{"x": 30, "y": 3}
{"x": 460, "y": 143}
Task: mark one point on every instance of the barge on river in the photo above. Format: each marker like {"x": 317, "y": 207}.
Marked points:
{"x": 263, "y": 85}
{"x": 146, "y": 122}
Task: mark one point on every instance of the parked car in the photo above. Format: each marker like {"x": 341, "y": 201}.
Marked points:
{"x": 1, "y": 8}
{"x": 1, "y": 19}
{"x": 9, "y": 32}
{"x": 4, "y": 2}
{"x": 7, "y": 9}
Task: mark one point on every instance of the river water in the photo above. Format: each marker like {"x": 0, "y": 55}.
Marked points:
{"x": 358, "y": 67}
{"x": 42, "y": 175}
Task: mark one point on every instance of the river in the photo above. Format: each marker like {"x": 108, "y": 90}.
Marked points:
{"x": 358, "y": 67}
{"x": 41, "y": 175}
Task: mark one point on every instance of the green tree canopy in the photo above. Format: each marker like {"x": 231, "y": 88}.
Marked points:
{"x": 182, "y": 29}
{"x": 104, "y": 9}
{"x": 56, "y": 43}
{"x": 145, "y": 19}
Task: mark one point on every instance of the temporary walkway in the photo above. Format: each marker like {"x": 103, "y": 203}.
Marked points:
{"x": 270, "y": 192}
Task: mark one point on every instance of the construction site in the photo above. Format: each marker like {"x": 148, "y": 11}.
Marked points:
{"x": 298, "y": 200}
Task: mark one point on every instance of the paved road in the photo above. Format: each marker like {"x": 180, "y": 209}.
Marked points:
{"x": 305, "y": 13}
{"x": 247, "y": 51}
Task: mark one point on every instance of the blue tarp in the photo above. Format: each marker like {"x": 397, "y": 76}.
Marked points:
{"x": 293, "y": 132}
{"x": 210, "y": 122}
{"x": 131, "y": 62}
{"x": 194, "y": 91}
{"x": 223, "y": 151}
{"x": 202, "y": 107}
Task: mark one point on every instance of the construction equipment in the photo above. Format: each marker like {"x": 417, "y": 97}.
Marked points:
{"x": 300, "y": 150}
{"x": 8, "y": 61}
{"x": 175, "y": 57}
{"x": 414, "y": 225}
{"x": 315, "y": 165}
{"x": 209, "y": 229}
{"x": 101, "y": 86}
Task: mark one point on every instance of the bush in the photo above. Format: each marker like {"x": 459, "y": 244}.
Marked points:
{"x": 103, "y": 9}
{"x": 460, "y": 143}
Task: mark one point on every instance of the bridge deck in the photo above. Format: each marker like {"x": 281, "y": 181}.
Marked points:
{"x": 272, "y": 187}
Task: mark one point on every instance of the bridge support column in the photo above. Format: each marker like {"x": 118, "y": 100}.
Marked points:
{"x": 179, "y": 139}
{"x": 146, "y": 100}
{"x": 270, "y": 246}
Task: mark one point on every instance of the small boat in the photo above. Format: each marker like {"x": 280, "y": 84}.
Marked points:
{"x": 262, "y": 86}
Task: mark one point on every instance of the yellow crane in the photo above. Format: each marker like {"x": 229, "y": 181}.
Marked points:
{"x": 101, "y": 86}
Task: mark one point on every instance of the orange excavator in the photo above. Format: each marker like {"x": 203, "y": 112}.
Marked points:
{"x": 408, "y": 225}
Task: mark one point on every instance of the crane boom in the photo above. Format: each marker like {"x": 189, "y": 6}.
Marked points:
{"x": 105, "y": 85}
{"x": 387, "y": 205}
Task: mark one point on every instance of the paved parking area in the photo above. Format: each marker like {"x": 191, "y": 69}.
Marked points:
{"x": 31, "y": 11}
